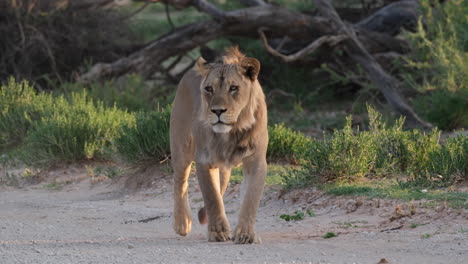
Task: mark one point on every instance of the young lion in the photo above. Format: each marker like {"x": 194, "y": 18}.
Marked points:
{"x": 219, "y": 120}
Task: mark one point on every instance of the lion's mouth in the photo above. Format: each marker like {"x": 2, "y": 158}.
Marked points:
{"x": 221, "y": 123}
{"x": 221, "y": 127}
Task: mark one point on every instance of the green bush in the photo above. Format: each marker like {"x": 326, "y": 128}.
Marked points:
{"x": 437, "y": 65}
{"x": 383, "y": 151}
{"x": 55, "y": 128}
{"x": 148, "y": 139}
{"x": 287, "y": 145}
{"x": 78, "y": 129}
{"x": 20, "y": 108}
{"x": 434, "y": 164}
{"x": 445, "y": 109}
{"x": 130, "y": 93}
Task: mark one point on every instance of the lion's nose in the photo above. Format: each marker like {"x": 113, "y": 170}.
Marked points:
{"x": 218, "y": 112}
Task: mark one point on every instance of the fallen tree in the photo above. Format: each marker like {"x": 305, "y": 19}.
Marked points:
{"x": 277, "y": 25}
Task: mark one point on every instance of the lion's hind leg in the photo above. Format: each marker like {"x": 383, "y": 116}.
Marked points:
{"x": 224, "y": 175}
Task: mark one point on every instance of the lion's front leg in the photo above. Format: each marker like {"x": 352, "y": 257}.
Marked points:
{"x": 218, "y": 225}
{"x": 182, "y": 216}
{"x": 255, "y": 169}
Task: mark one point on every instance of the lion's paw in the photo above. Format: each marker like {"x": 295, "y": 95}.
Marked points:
{"x": 182, "y": 224}
{"x": 246, "y": 236}
{"x": 219, "y": 232}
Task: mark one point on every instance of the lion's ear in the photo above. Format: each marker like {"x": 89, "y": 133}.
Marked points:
{"x": 251, "y": 67}
{"x": 202, "y": 67}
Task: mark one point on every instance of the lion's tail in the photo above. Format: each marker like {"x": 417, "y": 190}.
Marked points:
{"x": 202, "y": 218}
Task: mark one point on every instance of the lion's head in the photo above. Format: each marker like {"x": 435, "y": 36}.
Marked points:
{"x": 230, "y": 91}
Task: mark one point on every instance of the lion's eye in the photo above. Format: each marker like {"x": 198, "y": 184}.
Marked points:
{"x": 233, "y": 88}
{"x": 209, "y": 89}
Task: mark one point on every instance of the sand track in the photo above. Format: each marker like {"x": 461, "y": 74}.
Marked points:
{"x": 101, "y": 223}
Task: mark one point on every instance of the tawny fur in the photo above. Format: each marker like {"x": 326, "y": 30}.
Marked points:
{"x": 218, "y": 142}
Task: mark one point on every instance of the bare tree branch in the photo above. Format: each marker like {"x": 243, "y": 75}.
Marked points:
{"x": 331, "y": 40}
{"x": 168, "y": 16}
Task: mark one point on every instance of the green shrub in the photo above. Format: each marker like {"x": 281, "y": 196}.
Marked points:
{"x": 437, "y": 66}
{"x": 78, "y": 129}
{"x": 383, "y": 151}
{"x": 148, "y": 139}
{"x": 57, "y": 128}
{"x": 349, "y": 155}
{"x": 130, "y": 93}
{"x": 287, "y": 145}
{"x": 434, "y": 164}
{"x": 443, "y": 108}
{"x": 20, "y": 108}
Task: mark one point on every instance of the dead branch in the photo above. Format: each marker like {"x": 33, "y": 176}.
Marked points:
{"x": 330, "y": 40}
{"x": 387, "y": 84}
{"x": 168, "y": 16}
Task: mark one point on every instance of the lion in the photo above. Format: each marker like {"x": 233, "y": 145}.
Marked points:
{"x": 219, "y": 120}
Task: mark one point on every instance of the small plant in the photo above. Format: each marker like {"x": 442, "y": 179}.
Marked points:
{"x": 425, "y": 236}
{"x": 329, "y": 235}
{"x": 310, "y": 213}
{"x": 298, "y": 215}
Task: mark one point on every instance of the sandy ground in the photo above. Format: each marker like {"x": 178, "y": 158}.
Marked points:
{"x": 103, "y": 222}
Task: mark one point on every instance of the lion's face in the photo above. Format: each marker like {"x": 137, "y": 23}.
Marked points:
{"x": 228, "y": 90}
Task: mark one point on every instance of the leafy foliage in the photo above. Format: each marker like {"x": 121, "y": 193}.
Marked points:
{"x": 437, "y": 66}
{"x": 349, "y": 155}
{"x": 286, "y": 144}
{"x": 55, "y": 128}
{"x": 298, "y": 215}
{"x": 77, "y": 129}
{"x": 148, "y": 139}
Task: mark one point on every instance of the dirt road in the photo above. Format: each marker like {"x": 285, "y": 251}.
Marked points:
{"x": 99, "y": 223}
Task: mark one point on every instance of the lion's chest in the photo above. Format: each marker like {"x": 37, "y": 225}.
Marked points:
{"x": 226, "y": 150}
